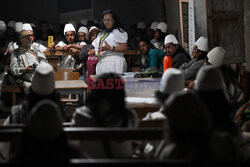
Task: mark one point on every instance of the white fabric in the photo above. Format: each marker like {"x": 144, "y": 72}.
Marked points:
{"x": 18, "y": 26}
{"x": 67, "y": 62}
{"x": 209, "y": 78}
{"x": 154, "y": 25}
{"x": 141, "y": 25}
{"x": 69, "y": 27}
{"x": 40, "y": 46}
{"x": 172, "y": 80}
{"x": 83, "y": 29}
{"x": 27, "y": 27}
{"x": 43, "y": 82}
{"x": 12, "y": 24}
{"x": 170, "y": 39}
{"x": 84, "y": 22}
{"x": 93, "y": 28}
{"x": 73, "y": 23}
{"x": 32, "y": 25}
{"x": 163, "y": 27}
{"x": 202, "y": 44}
{"x": 12, "y": 46}
{"x": 216, "y": 56}
{"x": 2, "y": 27}
{"x": 111, "y": 61}
{"x": 81, "y": 43}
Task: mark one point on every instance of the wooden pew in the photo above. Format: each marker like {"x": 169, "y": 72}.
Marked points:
{"x": 14, "y": 90}
{"x": 79, "y": 133}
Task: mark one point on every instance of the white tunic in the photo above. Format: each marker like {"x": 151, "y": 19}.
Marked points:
{"x": 67, "y": 62}
{"x": 111, "y": 61}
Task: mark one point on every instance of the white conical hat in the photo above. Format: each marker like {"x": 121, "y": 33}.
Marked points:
{"x": 216, "y": 56}
{"x": 84, "y": 22}
{"x": 170, "y": 39}
{"x": 209, "y": 78}
{"x": 45, "y": 120}
{"x": 11, "y": 23}
{"x": 43, "y": 82}
{"x": 27, "y": 27}
{"x": 2, "y": 27}
{"x": 18, "y": 27}
{"x": 69, "y": 27}
{"x": 73, "y": 23}
{"x": 83, "y": 29}
{"x": 202, "y": 44}
{"x": 33, "y": 25}
{"x": 141, "y": 25}
{"x": 172, "y": 80}
{"x": 154, "y": 25}
{"x": 163, "y": 27}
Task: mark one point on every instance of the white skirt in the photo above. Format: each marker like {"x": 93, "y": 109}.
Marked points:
{"x": 115, "y": 64}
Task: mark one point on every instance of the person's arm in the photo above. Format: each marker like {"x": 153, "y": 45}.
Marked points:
{"x": 120, "y": 48}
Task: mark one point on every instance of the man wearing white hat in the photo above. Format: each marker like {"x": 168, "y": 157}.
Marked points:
{"x": 199, "y": 53}
{"x": 159, "y": 35}
{"x": 68, "y": 62}
{"x": 153, "y": 27}
{"x": 175, "y": 50}
{"x": 82, "y": 35}
{"x": 25, "y": 59}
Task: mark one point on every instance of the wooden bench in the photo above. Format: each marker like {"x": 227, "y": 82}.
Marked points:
{"x": 8, "y": 133}
{"x": 14, "y": 90}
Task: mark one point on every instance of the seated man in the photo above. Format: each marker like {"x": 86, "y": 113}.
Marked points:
{"x": 150, "y": 57}
{"x": 175, "y": 50}
{"x": 199, "y": 53}
{"x": 25, "y": 59}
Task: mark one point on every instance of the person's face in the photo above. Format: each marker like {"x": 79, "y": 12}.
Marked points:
{"x": 10, "y": 31}
{"x": 31, "y": 35}
{"x": 26, "y": 40}
{"x": 70, "y": 36}
{"x": 156, "y": 35}
{"x": 108, "y": 21}
{"x": 170, "y": 48}
{"x": 93, "y": 35}
{"x": 143, "y": 47}
{"x": 195, "y": 52}
{"x": 81, "y": 36}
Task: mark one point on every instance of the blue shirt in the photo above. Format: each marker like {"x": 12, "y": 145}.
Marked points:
{"x": 154, "y": 58}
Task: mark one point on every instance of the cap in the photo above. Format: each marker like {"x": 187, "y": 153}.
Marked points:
{"x": 92, "y": 29}
{"x": 209, "y": 78}
{"x": 154, "y": 25}
{"x": 83, "y": 29}
{"x": 43, "y": 82}
{"x": 69, "y": 27}
{"x": 18, "y": 27}
{"x": 12, "y": 24}
{"x": 202, "y": 44}
{"x": 84, "y": 22}
{"x": 170, "y": 39}
{"x": 172, "y": 80}
{"x": 27, "y": 27}
{"x": 162, "y": 26}
{"x": 2, "y": 27}
{"x": 216, "y": 56}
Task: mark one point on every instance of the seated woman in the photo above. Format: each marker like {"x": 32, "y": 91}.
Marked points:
{"x": 105, "y": 107}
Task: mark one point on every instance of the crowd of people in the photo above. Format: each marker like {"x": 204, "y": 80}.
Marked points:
{"x": 200, "y": 122}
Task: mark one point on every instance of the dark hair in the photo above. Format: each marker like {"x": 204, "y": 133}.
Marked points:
{"x": 117, "y": 24}
{"x": 145, "y": 40}
{"x": 115, "y": 95}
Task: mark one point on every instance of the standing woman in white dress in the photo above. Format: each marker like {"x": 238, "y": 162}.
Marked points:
{"x": 110, "y": 44}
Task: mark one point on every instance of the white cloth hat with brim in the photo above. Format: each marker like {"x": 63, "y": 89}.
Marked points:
{"x": 216, "y": 56}
{"x": 43, "y": 82}
{"x": 83, "y": 29}
{"x": 27, "y": 27}
{"x": 84, "y": 22}
{"x": 170, "y": 39}
{"x": 209, "y": 78}
{"x": 92, "y": 29}
{"x": 45, "y": 121}
{"x": 11, "y": 23}
{"x": 2, "y": 27}
{"x": 154, "y": 25}
{"x": 202, "y": 44}
{"x": 172, "y": 80}
{"x": 69, "y": 27}
{"x": 18, "y": 27}
{"x": 141, "y": 25}
{"x": 162, "y": 26}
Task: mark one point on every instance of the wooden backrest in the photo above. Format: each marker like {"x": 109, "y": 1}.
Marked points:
{"x": 66, "y": 75}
